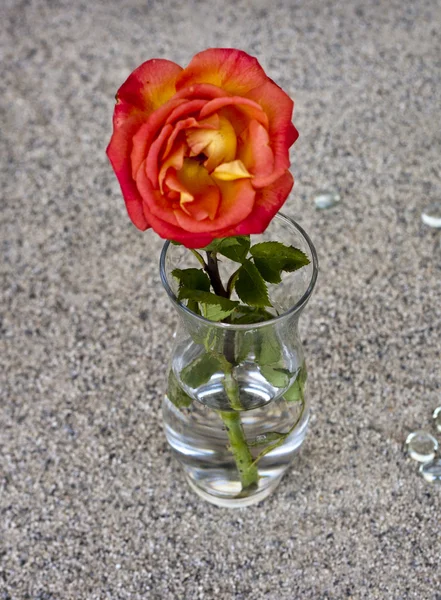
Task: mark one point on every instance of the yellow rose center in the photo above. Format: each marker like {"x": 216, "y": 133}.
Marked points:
{"x": 218, "y": 145}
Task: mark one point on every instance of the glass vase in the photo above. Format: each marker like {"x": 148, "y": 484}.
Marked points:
{"x": 236, "y": 410}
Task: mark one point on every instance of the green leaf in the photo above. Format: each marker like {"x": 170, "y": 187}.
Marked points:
{"x": 269, "y": 348}
{"x": 243, "y": 344}
{"x": 212, "y": 246}
{"x": 268, "y": 270}
{"x": 247, "y": 315}
{"x": 271, "y": 258}
{"x": 175, "y": 393}
{"x": 214, "y": 312}
{"x": 212, "y": 339}
{"x": 214, "y": 308}
{"x": 296, "y": 392}
{"x": 277, "y": 376}
{"x": 193, "y": 306}
{"x": 250, "y": 286}
{"x": 291, "y": 257}
{"x": 193, "y": 279}
{"x": 207, "y": 298}
{"x": 266, "y": 438}
{"x": 235, "y": 248}
{"x": 200, "y": 370}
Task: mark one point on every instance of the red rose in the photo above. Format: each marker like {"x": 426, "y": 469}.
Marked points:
{"x": 202, "y": 152}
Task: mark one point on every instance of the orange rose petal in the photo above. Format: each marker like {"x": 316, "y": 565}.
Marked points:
{"x": 205, "y": 206}
{"x": 154, "y": 203}
{"x": 256, "y": 152}
{"x": 281, "y": 158}
{"x": 171, "y": 232}
{"x": 120, "y": 144}
{"x": 232, "y": 70}
{"x": 202, "y": 207}
{"x": 237, "y": 200}
{"x": 139, "y": 147}
{"x": 230, "y": 171}
{"x": 196, "y": 136}
{"x": 200, "y": 90}
{"x": 280, "y": 143}
{"x": 173, "y": 183}
{"x": 136, "y": 214}
{"x": 291, "y": 134}
{"x": 148, "y": 131}
{"x": 151, "y": 165}
{"x": 268, "y": 202}
{"x": 118, "y": 152}
{"x": 279, "y": 107}
{"x": 198, "y": 140}
{"x": 211, "y": 123}
{"x": 175, "y": 160}
{"x": 150, "y": 86}
{"x": 264, "y": 181}
{"x": 181, "y": 125}
{"x": 186, "y": 109}
{"x": 251, "y": 109}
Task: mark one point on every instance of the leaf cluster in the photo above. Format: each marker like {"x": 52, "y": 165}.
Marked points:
{"x": 259, "y": 264}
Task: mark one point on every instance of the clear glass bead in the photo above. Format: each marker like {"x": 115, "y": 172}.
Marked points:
{"x": 437, "y": 418}
{"x": 431, "y": 471}
{"x": 421, "y": 446}
{"x": 326, "y": 199}
{"x": 431, "y": 215}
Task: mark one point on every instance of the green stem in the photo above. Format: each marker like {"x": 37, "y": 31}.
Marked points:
{"x": 212, "y": 270}
{"x": 232, "y": 390}
{"x": 248, "y": 472}
{"x": 249, "y": 475}
{"x": 238, "y": 444}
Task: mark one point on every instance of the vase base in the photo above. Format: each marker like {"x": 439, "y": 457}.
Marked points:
{"x": 235, "y": 502}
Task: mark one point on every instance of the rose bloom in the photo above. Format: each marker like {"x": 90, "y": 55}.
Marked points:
{"x": 202, "y": 152}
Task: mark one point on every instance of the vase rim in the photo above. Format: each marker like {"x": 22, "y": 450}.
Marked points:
{"x": 296, "y": 308}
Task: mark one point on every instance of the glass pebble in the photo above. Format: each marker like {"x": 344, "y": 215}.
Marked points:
{"x": 326, "y": 199}
{"x": 431, "y": 215}
{"x": 431, "y": 471}
{"x": 421, "y": 446}
{"x": 437, "y": 418}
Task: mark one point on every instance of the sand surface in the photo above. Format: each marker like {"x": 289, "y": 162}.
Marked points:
{"x": 92, "y": 505}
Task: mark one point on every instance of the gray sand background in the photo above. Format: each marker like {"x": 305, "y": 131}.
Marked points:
{"x": 91, "y": 504}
